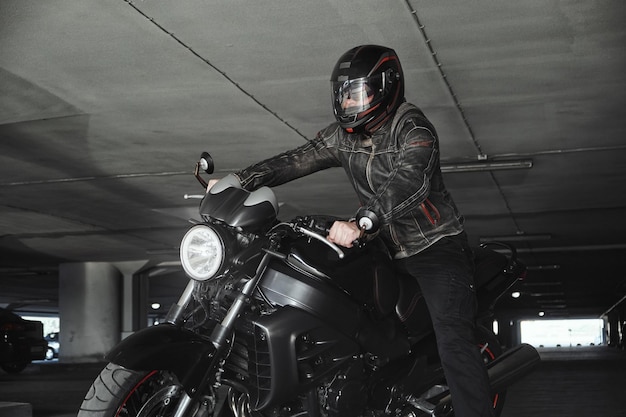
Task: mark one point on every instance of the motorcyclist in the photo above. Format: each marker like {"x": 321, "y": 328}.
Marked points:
{"x": 390, "y": 152}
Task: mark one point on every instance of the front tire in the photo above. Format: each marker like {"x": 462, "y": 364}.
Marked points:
{"x": 121, "y": 392}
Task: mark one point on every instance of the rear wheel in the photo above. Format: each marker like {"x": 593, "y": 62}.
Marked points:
{"x": 490, "y": 349}
{"x": 120, "y": 392}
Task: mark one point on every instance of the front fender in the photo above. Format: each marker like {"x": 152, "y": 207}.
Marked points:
{"x": 166, "y": 347}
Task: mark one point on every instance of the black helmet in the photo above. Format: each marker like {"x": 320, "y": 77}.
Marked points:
{"x": 367, "y": 87}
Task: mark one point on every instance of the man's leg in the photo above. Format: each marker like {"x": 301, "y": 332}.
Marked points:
{"x": 446, "y": 280}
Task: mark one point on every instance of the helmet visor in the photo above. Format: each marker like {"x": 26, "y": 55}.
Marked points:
{"x": 351, "y": 97}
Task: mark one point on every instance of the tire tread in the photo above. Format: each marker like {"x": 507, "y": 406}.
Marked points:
{"x": 108, "y": 390}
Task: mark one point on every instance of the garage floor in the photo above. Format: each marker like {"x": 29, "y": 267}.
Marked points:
{"x": 570, "y": 382}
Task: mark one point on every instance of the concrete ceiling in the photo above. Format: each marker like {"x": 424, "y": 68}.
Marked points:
{"x": 106, "y": 104}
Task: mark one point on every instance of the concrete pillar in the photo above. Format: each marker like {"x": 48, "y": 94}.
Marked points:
{"x": 613, "y": 326}
{"x": 89, "y": 310}
{"x": 134, "y": 308}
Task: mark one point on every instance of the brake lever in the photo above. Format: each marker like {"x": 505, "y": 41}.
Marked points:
{"x": 322, "y": 239}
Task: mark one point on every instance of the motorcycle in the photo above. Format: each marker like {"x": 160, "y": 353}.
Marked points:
{"x": 276, "y": 321}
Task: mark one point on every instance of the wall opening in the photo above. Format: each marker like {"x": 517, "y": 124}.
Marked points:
{"x": 563, "y": 333}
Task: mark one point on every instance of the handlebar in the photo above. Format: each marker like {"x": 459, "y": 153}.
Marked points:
{"x": 318, "y": 229}
{"x": 514, "y": 266}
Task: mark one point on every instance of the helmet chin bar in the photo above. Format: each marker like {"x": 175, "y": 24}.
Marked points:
{"x": 359, "y": 123}
{"x": 375, "y": 124}
{"x": 372, "y": 125}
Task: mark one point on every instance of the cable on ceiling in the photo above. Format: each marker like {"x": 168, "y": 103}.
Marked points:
{"x": 216, "y": 69}
{"x": 457, "y": 103}
{"x": 444, "y": 77}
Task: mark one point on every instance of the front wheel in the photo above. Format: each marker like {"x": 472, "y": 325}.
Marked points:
{"x": 122, "y": 392}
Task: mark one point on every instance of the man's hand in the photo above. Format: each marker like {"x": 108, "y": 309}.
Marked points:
{"x": 344, "y": 233}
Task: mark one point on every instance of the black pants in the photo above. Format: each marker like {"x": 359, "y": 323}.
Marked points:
{"x": 444, "y": 273}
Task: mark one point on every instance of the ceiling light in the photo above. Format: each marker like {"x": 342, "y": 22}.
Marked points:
{"x": 547, "y": 294}
{"x": 516, "y": 294}
{"x": 542, "y": 283}
{"x": 541, "y": 314}
{"x": 156, "y": 306}
{"x": 486, "y": 166}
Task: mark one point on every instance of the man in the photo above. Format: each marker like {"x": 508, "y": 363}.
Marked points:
{"x": 390, "y": 152}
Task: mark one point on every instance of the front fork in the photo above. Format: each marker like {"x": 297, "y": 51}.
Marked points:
{"x": 220, "y": 337}
{"x": 183, "y": 405}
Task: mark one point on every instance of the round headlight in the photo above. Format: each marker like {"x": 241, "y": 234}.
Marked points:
{"x": 201, "y": 252}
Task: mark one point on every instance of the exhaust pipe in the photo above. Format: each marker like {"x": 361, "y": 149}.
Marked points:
{"x": 512, "y": 366}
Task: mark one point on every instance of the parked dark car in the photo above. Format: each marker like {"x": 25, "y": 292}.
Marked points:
{"x": 53, "y": 345}
{"x": 21, "y": 341}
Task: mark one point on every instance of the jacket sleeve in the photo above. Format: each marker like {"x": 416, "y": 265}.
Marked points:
{"x": 409, "y": 182}
{"x": 315, "y": 155}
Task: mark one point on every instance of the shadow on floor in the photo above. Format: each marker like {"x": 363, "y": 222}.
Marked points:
{"x": 569, "y": 382}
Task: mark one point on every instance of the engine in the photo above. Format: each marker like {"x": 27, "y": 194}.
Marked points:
{"x": 345, "y": 395}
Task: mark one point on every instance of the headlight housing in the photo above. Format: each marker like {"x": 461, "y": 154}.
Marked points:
{"x": 202, "y": 252}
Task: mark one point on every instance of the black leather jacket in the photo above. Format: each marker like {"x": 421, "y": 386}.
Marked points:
{"x": 396, "y": 174}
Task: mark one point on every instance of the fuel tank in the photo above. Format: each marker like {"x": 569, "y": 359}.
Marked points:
{"x": 324, "y": 307}
{"x": 364, "y": 274}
